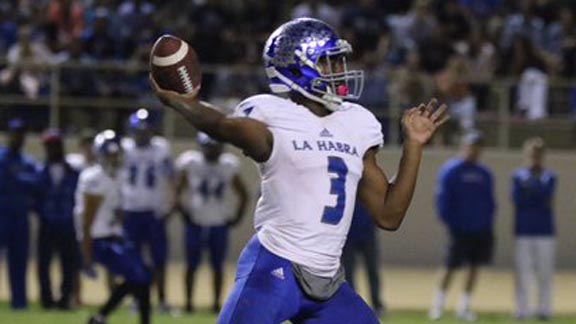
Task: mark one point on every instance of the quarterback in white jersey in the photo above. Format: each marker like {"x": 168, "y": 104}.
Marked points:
{"x": 99, "y": 228}
{"x": 206, "y": 181}
{"x": 316, "y": 152}
{"x": 147, "y": 192}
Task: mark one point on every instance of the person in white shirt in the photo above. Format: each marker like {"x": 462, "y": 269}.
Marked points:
{"x": 316, "y": 152}
{"x": 205, "y": 180}
{"x": 147, "y": 194}
{"x": 99, "y": 229}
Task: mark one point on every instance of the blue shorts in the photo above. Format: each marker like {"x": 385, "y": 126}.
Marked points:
{"x": 121, "y": 258}
{"x": 267, "y": 292}
{"x": 144, "y": 228}
{"x": 215, "y": 238}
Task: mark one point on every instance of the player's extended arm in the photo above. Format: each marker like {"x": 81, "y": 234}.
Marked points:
{"x": 242, "y": 191}
{"x": 388, "y": 202}
{"x": 252, "y": 136}
{"x": 91, "y": 205}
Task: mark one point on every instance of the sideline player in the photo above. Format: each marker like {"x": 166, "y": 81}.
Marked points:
{"x": 315, "y": 149}
{"x": 207, "y": 178}
{"x": 466, "y": 206}
{"x": 99, "y": 228}
{"x": 533, "y": 188}
{"x": 18, "y": 185}
{"x": 147, "y": 192}
{"x": 56, "y": 232}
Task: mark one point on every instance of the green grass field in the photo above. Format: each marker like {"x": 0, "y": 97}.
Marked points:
{"x": 408, "y": 292}
{"x": 123, "y": 316}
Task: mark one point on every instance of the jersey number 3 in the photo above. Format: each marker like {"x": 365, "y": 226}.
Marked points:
{"x": 333, "y": 215}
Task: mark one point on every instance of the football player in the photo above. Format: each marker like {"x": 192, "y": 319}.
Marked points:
{"x": 146, "y": 193}
{"x": 316, "y": 151}
{"x": 99, "y": 229}
{"x": 207, "y": 178}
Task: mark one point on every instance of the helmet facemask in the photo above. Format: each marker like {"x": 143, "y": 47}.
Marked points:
{"x": 335, "y": 82}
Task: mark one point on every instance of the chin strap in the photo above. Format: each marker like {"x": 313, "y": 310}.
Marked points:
{"x": 331, "y": 101}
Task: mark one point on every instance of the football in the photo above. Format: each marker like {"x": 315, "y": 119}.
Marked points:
{"x": 174, "y": 64}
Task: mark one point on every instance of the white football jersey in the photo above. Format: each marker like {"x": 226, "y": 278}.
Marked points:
{"x": 95, "y": 181}
{"x": 147, "y": 178}
{"x": 208, "y": 187}
{"x": 309, "y": 182}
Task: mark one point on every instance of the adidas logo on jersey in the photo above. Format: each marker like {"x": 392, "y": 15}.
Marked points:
{"x": 278, "y": 273}
{"x": 325, "y": 133}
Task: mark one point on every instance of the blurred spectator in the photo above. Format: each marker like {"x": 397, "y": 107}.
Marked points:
{"x": 453, "y": 87}
{"x": 524, "y": 24}
{"x": 255, "y": 31}
{"x": 362, "y": 240}
{"x": 533, "y": 196}
{"x": 362, "y": 25}
{"x": 561, "y": 42}
{"x": 547, "y": 10}
{"x": 18, "y": 183}
{"x": 533, "y": 94}
{"x": 211, "y": 19}
{"x": 466, "y": 206}
{"x": 532, "y": 91}
{"x": 8, "y": 30}
{"x": 318, "y": 9}
{"x": 453, "y": 21}
{"x": 134, "y": 15}
{"x": 77, "y": 81}
{"x": 481, "y": 56}
{"x": 417, "y": 26}
{"x": 375, "y": 93}
{"x": 98, "y": 40}
{"x": 56, "y": 235}
{"x": 482, "y": 9}
{"x": 410, "y": 85}
{"x": 21, "y": 74}
{"x": 66, "y": 21}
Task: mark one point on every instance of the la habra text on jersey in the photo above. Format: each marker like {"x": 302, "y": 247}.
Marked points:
{"x": 324, "y": 145}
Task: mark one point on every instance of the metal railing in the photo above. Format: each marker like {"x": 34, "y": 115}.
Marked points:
{"x": 497, "y": 119}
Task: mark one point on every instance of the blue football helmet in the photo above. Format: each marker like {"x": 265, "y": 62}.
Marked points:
{"x": 292, "y": 55}
{"x": 140, "y": 120}
{"x": 106, "y": 143}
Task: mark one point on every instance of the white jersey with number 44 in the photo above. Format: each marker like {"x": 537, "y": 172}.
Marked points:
{"x": 148, "y": 172}
{"x": 309, "y": 182}
{"x": 208, "y": 187}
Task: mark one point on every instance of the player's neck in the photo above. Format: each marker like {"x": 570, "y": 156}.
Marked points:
{"x": 315, "y": 107}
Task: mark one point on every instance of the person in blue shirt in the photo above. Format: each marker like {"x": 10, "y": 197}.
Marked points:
{"x": 55, "y": 209}
{"x": 466, "y": 206}
{"x": 18, "y": 182}
{"x": 362, "y": 240}
{"x": 533, "y": 188}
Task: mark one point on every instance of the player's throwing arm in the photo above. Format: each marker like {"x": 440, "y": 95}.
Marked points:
{"x": 177, "y": 85}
